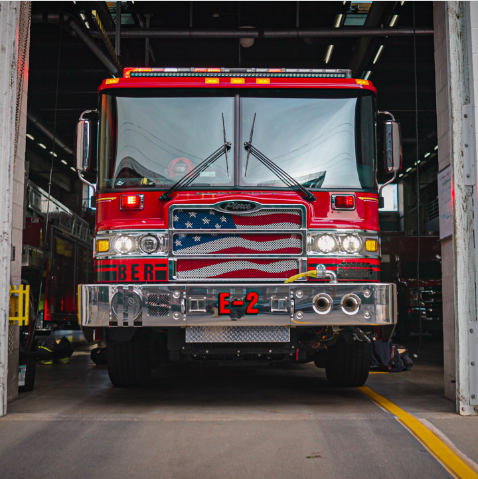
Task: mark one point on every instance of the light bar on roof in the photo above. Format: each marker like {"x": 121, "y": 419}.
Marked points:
{"x": 237, "y": 72}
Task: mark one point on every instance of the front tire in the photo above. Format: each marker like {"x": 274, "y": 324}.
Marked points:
{"x": 128, "y": 362}
{"x": 348, "y": 364}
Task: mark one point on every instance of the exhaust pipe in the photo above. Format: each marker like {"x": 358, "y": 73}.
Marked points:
{"x": 322, "y": 303}
{"x": 350, "y": 304}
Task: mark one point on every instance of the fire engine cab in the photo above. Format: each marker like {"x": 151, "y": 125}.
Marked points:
{"x": 237, "y": 219}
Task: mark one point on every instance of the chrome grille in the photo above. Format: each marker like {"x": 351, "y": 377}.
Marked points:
{"x": 211, "y": 219}
{"x": 237, "y": 244}
{"x": 254, "y": 269}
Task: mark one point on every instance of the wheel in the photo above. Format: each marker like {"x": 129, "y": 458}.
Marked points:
{"x": 128, "y": 362}
{"x": 348, "y": 364}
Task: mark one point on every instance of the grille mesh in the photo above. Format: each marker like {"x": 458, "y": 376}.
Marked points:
{"x": 158, "y": 305}
{"x": 265, "y": 219}
{"x": 240, "y": 243}
{"x": 240, "y": 269}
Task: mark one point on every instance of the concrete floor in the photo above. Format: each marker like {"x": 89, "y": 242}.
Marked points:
{"x": 226, "y": 422}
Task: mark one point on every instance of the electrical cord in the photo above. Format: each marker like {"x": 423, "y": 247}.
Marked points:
{"x": 418, "y": 184}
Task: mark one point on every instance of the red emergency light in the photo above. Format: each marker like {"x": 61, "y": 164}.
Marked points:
{"x": 131, "y": 202}
{"x": 343, "y": 202}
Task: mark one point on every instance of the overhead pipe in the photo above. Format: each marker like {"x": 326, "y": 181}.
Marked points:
{"x": 70, "y": 21}
{"x": 237, "y": 33}
{"x": 34, "y": 119}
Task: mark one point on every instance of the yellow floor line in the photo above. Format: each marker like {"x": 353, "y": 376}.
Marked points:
{"x": 433, "y": 443}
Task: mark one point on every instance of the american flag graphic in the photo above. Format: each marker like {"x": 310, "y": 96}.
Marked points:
{"x": 237, "y": 243}
{"x": 258, "y": 269}
{"x": 269, "y": 219}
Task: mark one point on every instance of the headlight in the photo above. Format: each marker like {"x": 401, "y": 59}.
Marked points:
{"x": 149, "y": 244}
{"x": 123, "y": 245}
{"x": 351, "y": 244}
{"x": 326, "y": 243}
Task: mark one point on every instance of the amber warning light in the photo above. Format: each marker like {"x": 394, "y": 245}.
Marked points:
{"x": 132, "y": 202}
{"x": 343, "y": 202}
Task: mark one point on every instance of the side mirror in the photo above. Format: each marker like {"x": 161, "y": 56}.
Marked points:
{"x": 84, "y": 142}
{"x": 392, "y": 146}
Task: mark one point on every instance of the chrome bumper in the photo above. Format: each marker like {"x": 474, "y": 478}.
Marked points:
{"x": 183, "y": 305}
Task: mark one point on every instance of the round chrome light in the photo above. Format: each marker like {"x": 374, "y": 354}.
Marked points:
{"x": 123, "y": 245}
{"x": 351, "y": 244}
{"x": 133, "y": 307}
{"x": 326, "y": 243}
{"x": 149, "y": 244}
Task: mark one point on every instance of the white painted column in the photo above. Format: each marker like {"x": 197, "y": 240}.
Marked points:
{"x": 9, "y": 22}
{"x": 463, "y": 192}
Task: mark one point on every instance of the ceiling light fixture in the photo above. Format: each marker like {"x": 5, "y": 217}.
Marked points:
{"x": 409, "y": 169}
{"x": 378, "y": 54}
{"x": 64, "y": 162}
{"x": 83, "y": 17}
{"x": 426, "y": 155}
{"x": 41, "y": 145}
{"x": 367, "y": 75}
{"x": 400, "y": 175}
{"x": 328, "y": 53}
{"x": 393, "y": 21}
{"x": 30, "y": 136}
{"x": 71, "y": 168}
{"x": 53, "y": 153}
{"x": 338, "y": 20}
{"x": 246, "y": 42}
{"x": 436, "y": 147}
{"x": 215, "y": 15}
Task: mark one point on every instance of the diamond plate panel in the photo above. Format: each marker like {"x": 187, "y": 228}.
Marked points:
{"x": 238, "y": 334}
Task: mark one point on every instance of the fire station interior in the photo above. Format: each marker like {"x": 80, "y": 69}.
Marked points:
{"x": 193, "y": 418}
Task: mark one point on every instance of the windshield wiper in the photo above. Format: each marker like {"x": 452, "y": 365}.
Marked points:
{"x": 187, "y": 179}
{"x": 279, "y": 172}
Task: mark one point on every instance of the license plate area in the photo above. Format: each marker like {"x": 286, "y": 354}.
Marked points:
{"x": 238, "y": 306}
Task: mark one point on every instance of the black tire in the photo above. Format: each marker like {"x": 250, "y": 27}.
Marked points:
{"x": 128, "y": 362}
{"x": 347, "y": 365}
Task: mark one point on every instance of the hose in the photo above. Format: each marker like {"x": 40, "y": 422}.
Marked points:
{"x": 307, "y": 274}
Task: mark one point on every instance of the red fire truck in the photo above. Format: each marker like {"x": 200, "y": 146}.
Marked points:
{"x": 237, "y": 219}
{"x": 55, "y": 259}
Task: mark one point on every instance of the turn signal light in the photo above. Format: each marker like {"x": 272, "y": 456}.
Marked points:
{"x": 343, "y": 202}
{"x": 371, "y": 245}
{"x": 132, "y": 202}
{"x": 102, "y": 246}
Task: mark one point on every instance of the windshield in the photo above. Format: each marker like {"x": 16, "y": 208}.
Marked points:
{"x": 322, "y": 139}
{"x": 154, "y": 142}
{"x": 312, "y": 139}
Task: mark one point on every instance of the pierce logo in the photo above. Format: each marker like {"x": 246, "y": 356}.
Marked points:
{"x": 238, "y": 206}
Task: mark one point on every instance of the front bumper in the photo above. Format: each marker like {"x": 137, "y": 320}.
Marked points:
{"x": 188, "y": 305}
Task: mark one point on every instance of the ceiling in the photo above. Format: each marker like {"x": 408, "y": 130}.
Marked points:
{"x": 65, "y": 74}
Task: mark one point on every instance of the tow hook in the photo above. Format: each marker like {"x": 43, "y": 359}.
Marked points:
{"x": 360, "y": 335}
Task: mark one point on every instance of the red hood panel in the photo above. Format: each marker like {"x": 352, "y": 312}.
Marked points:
{"x": 154, "y": 214}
